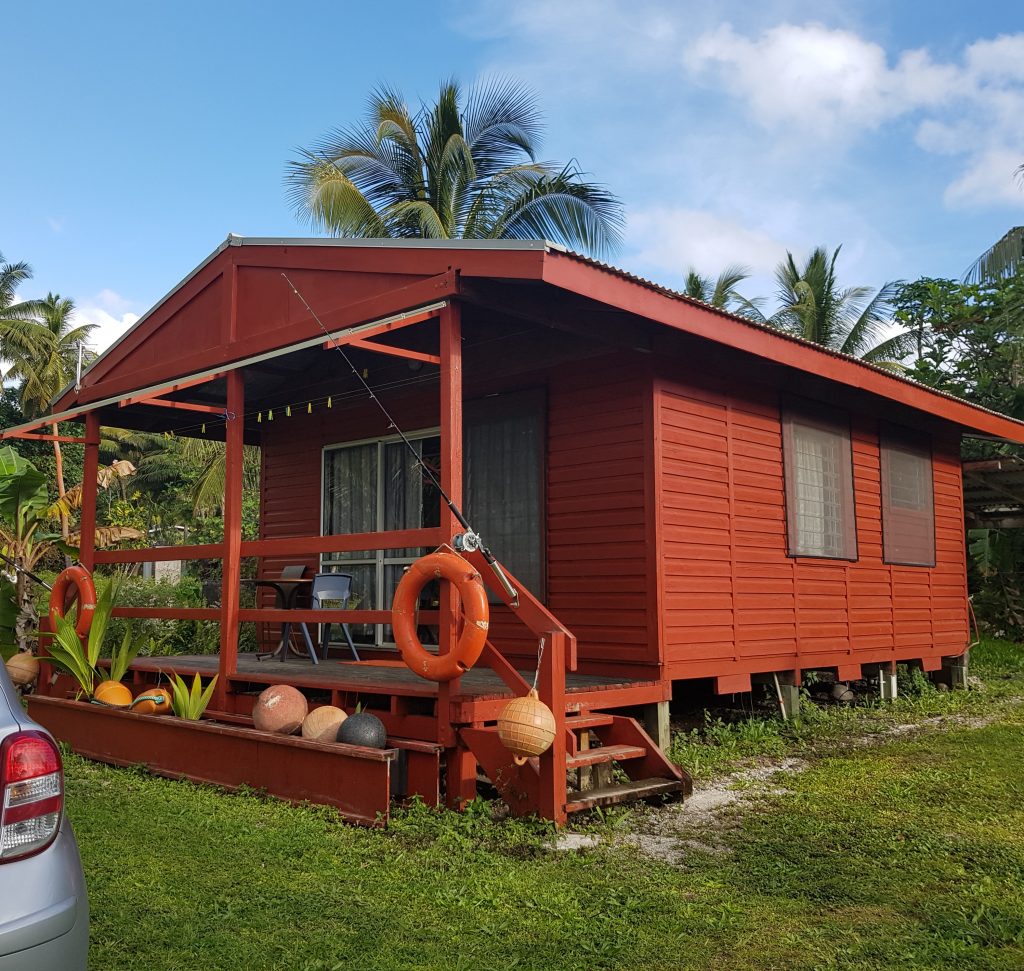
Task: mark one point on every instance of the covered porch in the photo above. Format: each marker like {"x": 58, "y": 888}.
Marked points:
{"x": 285, "y": 343}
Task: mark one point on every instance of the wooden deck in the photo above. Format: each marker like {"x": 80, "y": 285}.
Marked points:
{"x": 376, "y": 677}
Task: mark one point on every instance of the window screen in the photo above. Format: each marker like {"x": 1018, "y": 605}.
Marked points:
{"x": 504, "y": 481}
{"x": 819, "y": 487}
{"x": 908, "y": 501}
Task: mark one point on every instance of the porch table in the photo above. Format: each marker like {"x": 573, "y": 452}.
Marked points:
{"x": 285, "y": 594}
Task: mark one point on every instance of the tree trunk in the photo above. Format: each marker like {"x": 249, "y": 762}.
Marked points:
{"x": 27, "y": 621}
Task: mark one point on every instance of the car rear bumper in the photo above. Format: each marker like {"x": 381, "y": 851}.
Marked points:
{"x": 44, "y": 910}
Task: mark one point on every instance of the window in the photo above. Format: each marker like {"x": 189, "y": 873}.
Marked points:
{"x": 378, "y": 485}
{"x": 908, "y": 501}
{"x": 818, "y": 467}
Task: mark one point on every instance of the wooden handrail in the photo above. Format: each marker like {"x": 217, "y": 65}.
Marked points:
{"x": 394, "y": 539}
{"x": 160, "y": 554}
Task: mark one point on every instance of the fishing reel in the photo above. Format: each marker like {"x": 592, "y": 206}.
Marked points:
{"x": 467, "y": 542}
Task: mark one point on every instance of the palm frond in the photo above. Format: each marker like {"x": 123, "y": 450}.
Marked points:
{"x": 1001, "y": 259}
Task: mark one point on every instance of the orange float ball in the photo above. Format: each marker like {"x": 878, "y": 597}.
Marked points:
{"x": 321, "y": 724}
{"x": 113, "y": 693}
{"x": 152, "y": 701}
{"x": 23, "y": 668}
{"x": 526, "y": 727}
{"x": 280, "y": 709}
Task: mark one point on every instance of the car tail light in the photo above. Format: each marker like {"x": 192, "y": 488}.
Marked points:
{"x": 32, "y": 783}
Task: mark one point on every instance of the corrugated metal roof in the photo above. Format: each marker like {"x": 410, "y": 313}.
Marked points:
{"x": 534, "y": 245}
{"x": 787, "y": 335}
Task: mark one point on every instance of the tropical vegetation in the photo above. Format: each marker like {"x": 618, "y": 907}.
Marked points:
{"x": 464, "y": 167}
{"x": 722, "y": 291}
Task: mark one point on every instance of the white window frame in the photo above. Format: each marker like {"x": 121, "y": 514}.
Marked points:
{"x": 382, "y": 558}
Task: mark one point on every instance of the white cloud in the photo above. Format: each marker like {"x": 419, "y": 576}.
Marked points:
{"x": 990, "y": 177}
{"x": 811, "y": 81}
{"x": 109, "y": 312}
{"x": 674, "y": 239}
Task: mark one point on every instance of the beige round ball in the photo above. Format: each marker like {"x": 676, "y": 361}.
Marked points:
{"x": 23, "y": 668}
{"x": 321, "y": 724}
{"x": 280, "y": 709}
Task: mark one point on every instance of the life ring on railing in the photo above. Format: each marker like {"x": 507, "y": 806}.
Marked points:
{"x": 454, "y": 569}
{"x": 81, "y": 579}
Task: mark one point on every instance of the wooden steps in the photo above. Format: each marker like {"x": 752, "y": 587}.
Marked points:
{"x": 612, "y": 760}
{"x": 636, "y": 790}
{"x": 606, "y": 753}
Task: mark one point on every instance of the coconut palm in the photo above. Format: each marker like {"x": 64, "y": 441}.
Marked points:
{"x": 464, "y": 167}
{"x": 852, "y": 320}
{"x": 1002, "y": 259}
{"x": 722, "y": 292}
{"x": 46, "y": 364}
{"x": 19, "y": 333}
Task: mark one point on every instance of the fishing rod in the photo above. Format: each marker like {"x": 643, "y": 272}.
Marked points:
{"x": 20, "y": 569}
{"x": 467, "y": 542}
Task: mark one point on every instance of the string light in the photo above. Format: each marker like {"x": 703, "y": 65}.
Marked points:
{"x": 309, "y": 408}
{"x": 288, "y": 411}
{"x": 202, "y": 430}
{"x": 270, "y": 415}
{"x": 259, "y": 418}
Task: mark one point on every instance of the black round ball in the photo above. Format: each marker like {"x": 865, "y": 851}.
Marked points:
{"x": 363, "y": 729}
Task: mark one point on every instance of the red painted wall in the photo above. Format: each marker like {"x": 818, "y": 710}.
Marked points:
{"x": 733, "y": 600}
{"x": 597, "y": 501}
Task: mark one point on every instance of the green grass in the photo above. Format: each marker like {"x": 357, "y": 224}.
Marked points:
{"x": 906, "y": 855}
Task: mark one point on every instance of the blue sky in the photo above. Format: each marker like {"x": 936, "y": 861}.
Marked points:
{"x": 139, "y": 135}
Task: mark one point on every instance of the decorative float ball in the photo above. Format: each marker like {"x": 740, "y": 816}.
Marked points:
{"x": 322, "y": 724}
{"x": 152, "y": 701}
{"x": 526, "y": 727}
{"x": 843, "y": 692}
{"x": 23, "y": 668}
{"x": 280, "y": 709}
{"x": 364, "y": 729}
{"x": 113, "y": 693}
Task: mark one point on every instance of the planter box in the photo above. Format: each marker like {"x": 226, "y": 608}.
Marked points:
{"x": 355, "y": 780}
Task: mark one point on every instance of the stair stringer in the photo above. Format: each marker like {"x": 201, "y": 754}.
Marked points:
{"x": 654, "y": 765}
{"x": 518, "y": 785}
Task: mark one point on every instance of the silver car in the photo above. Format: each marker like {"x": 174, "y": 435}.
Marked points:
{"x": 44, "y": 910}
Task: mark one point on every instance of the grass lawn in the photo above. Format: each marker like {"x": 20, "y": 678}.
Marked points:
{"x": 904, "y": 854}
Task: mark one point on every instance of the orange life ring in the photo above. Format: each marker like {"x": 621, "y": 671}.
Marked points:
{"x": 81, "y": 579}
{"x": 454, "y": 569}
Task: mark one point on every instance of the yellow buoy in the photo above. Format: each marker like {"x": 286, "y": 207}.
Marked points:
{"x": 113, "y": 693}
{"x": 526, "y": 727}
{"x": 23, "y": 668}
{"x": 152, "y": 701}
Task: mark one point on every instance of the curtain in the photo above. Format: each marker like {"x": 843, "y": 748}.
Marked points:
{"x": 504, "y": 476}
{"x": 819, "y": 487}
{"x": 908, "y": 499}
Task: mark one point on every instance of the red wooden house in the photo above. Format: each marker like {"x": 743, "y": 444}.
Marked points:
{"x": 678, "y": 493}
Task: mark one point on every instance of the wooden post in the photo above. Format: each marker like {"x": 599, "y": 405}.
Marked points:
{"x": 232, "y": 563}
{"x": 90, "y": 468}
{"x": 461, "y": 766}
{"x": 551, "y": 688}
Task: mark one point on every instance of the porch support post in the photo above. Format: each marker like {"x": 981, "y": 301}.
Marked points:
{"x": 551, "y": 685}
{"x": 90, "y": 468}
{"x": 657, "y": 724}
{"x": 231, "y": 571}
{"x": 461, "y": 766}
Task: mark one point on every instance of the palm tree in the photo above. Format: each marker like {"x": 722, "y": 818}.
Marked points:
{"x": 852, "y": 321}
{"x": 722, "y": 292}
{"x": 19, "y": 333}
{"x": 47, "y": 364}
{"x": 464, "y": 167}
{"x": 1002, "y": 258}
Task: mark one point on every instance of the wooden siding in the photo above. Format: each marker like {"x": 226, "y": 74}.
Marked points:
{"x": 598, "y": 512}
{"x": 734, "y": 602}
